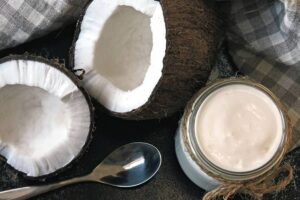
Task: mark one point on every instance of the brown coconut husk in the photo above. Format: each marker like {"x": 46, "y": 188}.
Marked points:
{"x": 193, "y": 33}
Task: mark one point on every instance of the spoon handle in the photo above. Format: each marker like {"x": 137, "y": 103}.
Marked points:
{"x": 31, "y": 191}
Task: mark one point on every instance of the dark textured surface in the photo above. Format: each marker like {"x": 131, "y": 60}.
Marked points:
{"x": 170, "y": 182}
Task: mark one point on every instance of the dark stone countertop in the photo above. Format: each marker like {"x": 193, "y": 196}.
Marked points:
{"x": 169, "y": 183}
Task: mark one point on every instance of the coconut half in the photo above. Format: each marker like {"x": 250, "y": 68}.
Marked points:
{"x": 45, "y": 117}
{"x": 143, "y": 58}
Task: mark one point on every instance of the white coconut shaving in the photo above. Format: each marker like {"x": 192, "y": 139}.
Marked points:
{"x": 121, "y": 46}
{"x": 44, "y": 117}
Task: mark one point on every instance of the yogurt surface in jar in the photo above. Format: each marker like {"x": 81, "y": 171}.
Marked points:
{"x": 238, "y": 128}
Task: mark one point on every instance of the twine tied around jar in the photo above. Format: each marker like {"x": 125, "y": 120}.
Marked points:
{"x": 255, "y": 188}
{"x": 268, "y": 182}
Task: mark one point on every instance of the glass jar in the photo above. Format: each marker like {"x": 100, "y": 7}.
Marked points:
{"x": 196, "y": 165}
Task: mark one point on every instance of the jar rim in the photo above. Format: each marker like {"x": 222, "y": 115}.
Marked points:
{"x": 209, "y": 165}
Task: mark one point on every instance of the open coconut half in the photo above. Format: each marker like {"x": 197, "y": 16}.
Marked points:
{"x": 45, "y": 117}
{"x": 143, "y": 58}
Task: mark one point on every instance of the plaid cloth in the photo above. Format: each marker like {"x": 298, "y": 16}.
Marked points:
{"x": 263, "y": 39}
{"x": 23, "y": 20}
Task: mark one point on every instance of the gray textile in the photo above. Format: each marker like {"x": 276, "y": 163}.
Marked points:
{"x": 23, "y": 20}
{"x": 264, "y": 43}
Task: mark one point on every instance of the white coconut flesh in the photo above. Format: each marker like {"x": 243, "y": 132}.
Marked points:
{"x": 44, "y": 117}
{"x": 121, "y": 46}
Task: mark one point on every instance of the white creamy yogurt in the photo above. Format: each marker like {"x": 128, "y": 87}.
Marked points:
{"x": 238, "y": 128}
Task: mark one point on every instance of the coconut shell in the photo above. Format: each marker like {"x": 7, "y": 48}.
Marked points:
{"x": 193, "y": 35}
{"x": 54, "y": 63}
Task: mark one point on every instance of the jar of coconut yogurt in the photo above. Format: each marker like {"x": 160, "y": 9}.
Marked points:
{"x": 233, "y": 130}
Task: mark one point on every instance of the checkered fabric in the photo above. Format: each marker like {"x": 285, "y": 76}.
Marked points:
{"x": 23, "y": 20}
{"x": 263, "y": 38}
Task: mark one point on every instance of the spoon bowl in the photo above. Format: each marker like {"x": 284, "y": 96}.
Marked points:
{"x": 119, "y": 169}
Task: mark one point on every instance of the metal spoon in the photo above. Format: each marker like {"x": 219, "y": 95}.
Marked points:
{"x": 128, "y": 166}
